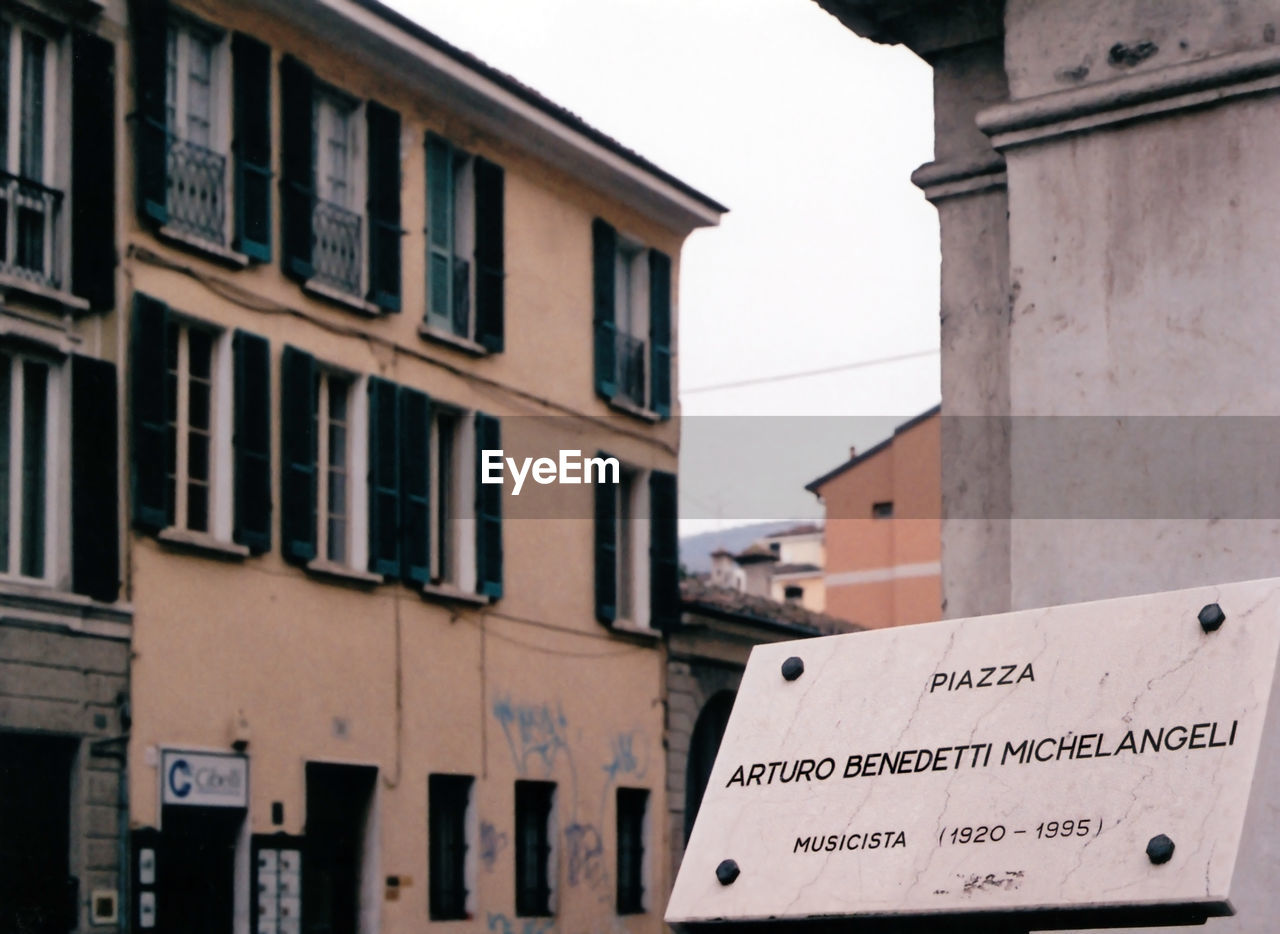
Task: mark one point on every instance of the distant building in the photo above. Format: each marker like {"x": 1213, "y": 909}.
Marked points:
{"x": 883, "y": 529}
{"x": 706, "y": 655}
{"x": 786, "y": 566}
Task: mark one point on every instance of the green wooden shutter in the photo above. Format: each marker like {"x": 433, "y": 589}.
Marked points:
{"x": 439, "y": 228}
{"x": 95, "y": 533}
{"x": 297, "y": 166}
{"x": 93, "y": 170}
{"x": 251, "y": 147}
{"x": 150, "y": 402}
{"x": 664, "y": 552}
{"x": 384, "y": 206}
{"x": 488, "y": 512}
{"x": 150, "y": 22}
{"x": 604, "y": 251}
{"x": 415, "y": 486}
{"x": 252, "y": 441}
{"x": 384, "y": 479}
{"x": 489, "y": 255}
{"x": 298, "y": 455}
{"x": 606, "y": 537}
{"x": 660, "y": 332}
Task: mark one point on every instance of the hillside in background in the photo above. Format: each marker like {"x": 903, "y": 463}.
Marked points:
{"x": 695, "y": 550}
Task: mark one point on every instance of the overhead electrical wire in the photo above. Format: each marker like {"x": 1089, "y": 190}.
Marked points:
{"x": 801, "y": 374}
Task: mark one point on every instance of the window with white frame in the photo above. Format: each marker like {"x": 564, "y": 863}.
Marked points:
{"x": 632, "y": 491}
{"x": 334, "y": 440}
{"x": 338, "y": 221}
{"x": 631, "y": 298}
{"x": 198, "y": 468}
{"x": 29, "y": 428}
{"x": 452, "y": 510}
{"x": 29, "y": 201}
{"x": 197, "y": 114}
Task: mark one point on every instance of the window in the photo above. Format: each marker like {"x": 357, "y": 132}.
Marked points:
{"x": 632, "y": 807}
{"x": 636, "y": 556}
{"x": 27, "y": 498}
{"x": 334, "y": 437}
{"x": 793, "y": 593}
{"x": 201, "y": 441}
{"x": 194, "y": 467}
{"x": 465, "y": 245}
{"x": 452, "y": 548}
{"x": 197, "y": 90}
{"x": 882, "y": 510}
{"x": 337, "y": 875}
{"x": 29, "y": 206}
{"x": 338, "y": 249}
{"x": 632, "y": 299}
{"x": 449, "y": 807}
{"x": 340, "y": 177}
{"x": 534, "y": 804}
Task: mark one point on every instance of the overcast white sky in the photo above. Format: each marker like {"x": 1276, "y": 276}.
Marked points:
{"x": 829, "y": 255}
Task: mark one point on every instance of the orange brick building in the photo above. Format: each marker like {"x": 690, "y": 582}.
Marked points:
{"x": 883, "y": 528}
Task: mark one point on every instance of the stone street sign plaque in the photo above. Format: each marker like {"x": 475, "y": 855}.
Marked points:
{"x": 1038, "y": 761}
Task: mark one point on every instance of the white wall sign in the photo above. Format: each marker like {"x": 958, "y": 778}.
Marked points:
{"x": 1016, "y": 762}
{"x": 204, "y": 779}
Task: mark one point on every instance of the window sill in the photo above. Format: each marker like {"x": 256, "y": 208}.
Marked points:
{"x": 448, "y": 594}
{"x": 339, "y": 297}
{"x": 622, "y": 405}
{"x": 202, "y": 543}
{"x": 342, "y": 573}
{"x": 441, "y": 336}
{"x": 43, "y": 294}
{"x": 211, "y": 250}
{"x": 626, "y": 627}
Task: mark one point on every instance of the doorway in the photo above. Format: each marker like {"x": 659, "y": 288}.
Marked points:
{"x": 339, "y": 801}
{"x": 196, "y": 874}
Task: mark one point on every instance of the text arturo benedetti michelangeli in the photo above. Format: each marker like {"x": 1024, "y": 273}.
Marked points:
{"x": 1170, "y": 738}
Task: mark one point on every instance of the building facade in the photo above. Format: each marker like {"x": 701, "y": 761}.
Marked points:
{"x": 1105, "y": 309}
{"x": 883, "y": 528}
{"x": 785, "y": 567}
{"x": 300, "y": 267}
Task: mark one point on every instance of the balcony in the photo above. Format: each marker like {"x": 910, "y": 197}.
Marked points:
{"x": 630, "y": 353}
{"x": 336, "y": 250}
{"x": 29, "y": 231}
{"x": 197, "y": 191}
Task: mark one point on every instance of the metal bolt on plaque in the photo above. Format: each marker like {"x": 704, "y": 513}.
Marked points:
{"x": 1211, "y": 617}
{"x": 792, "y": 668}
{"x": 727, "y": 871}
{"x": 1159, "y": 849}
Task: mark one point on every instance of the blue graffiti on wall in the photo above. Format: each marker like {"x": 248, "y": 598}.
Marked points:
{"x": 534, "y": 732}
{"x": 492, "y": 842}
{"x": 501, "y": 924}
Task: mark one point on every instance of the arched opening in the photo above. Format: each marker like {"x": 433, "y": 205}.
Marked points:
{"x": 703, "y": 746}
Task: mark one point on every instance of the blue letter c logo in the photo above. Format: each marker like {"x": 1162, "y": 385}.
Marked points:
{"x": 179, "y": 778}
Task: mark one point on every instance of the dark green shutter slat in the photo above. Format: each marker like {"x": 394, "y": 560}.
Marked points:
{"x": 150, "y": 22}
{"x": 252, "y": 441}
{"x": 660, "y": 332}
{"x": 604, "y": 249}
{"x": 251, "y": 146}
{"x": 489, "y": 255}
{"x": 384, "y": 206}
{"x": 415, "y": 486}
{"x": 439, "y": 227}
{"x": 664, "y": 552}
{"x": 152, "y": 491}
{"x": 384, "y": 479}
{"x": 297, "y": 166}
{"x": 488, "y": 512}
{"x": 298, "y": 455}
{"x": 606, "y": 550}
{"x": 93, "y": 170}
{"x": 95, "y": 534}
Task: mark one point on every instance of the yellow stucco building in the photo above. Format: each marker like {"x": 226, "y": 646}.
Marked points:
{"x": 371, "y": 691}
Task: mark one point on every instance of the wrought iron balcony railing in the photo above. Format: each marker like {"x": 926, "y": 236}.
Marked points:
{"x": 197, "y": 190}
{"x": 29, "y": 248}
{"x": 336, "y": 247}
{"x": 630, "y": 355}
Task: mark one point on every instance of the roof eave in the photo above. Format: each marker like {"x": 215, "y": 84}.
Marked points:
{"x": 501, "y": 107}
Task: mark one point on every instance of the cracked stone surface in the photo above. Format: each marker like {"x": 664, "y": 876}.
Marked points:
{"x": 1017, "y": 762}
